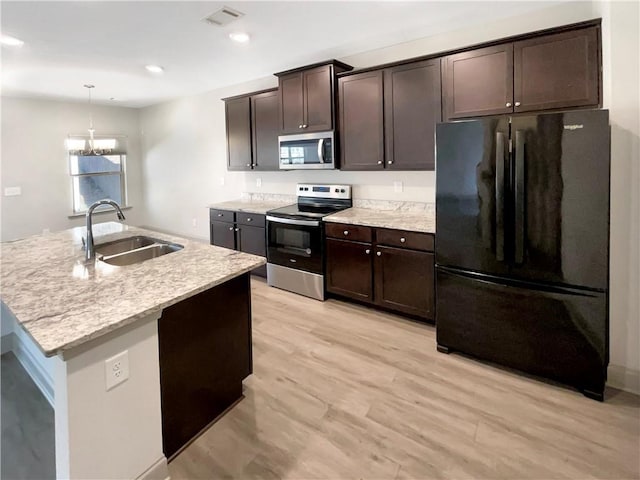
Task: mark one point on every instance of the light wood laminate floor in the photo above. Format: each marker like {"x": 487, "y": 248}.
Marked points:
{"x": 340, "y": 391}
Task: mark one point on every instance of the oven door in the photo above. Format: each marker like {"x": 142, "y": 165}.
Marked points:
{"x": 295, "y": 243}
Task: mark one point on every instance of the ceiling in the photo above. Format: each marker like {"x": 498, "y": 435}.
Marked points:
{"x": 69, "y": 44}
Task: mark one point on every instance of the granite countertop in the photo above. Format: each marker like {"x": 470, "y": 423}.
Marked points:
{"x": 250, "y": 206}
{"x": 63, "y": 302}
{"x": 414, "y": 219}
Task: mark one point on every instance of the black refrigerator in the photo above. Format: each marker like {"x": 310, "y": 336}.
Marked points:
{"x": 522, "y": 243}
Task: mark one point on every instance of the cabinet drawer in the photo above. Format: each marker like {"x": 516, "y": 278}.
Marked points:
{"x": 251, "y": 219}
{"x": 348, "y": 232}
{"x": 221, "y": 215}
{"x": 402, "y": 238}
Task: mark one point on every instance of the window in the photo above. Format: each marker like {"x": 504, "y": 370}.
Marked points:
{"x": 96, "y": 175}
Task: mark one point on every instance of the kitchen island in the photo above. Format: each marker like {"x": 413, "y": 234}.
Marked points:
{"x": 76, "y": 319}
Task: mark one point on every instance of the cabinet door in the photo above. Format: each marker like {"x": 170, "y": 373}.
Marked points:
{"x": 264, "y": 121}
{"x": 238, "y": 134}
{"x": 361, "y": 121}
{"x": 291, "y": 103}
{"x": 404, "y": 280}
{"x": 557, "y": 71}
{"x": 412, "y": 108}
{"x": 348, "y": 269}
{"x": 252, "y": 240}
{"x": 318, "y": 99}
{"x": 223, "y": 235}
{"x": 479, "y": 82}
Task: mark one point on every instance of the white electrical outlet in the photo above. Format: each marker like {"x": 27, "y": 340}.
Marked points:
{"x": 12, "y": 191}
{"x": 397, "y": 187}
{"x": 222, "y": 181}
{"x": 194, "y": 222}
{"x": 258, "y": 182}
{"x": 116, "y": 369}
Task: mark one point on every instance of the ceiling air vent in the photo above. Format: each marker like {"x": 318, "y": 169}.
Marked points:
{"x": 224, "y": 16}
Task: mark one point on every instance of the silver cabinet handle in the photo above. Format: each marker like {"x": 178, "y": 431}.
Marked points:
{"x": 508, "y": 104}
{"x": 379, "y": 253}
{"x": 379, "y": 162}
{"x": 304, "y": 126}
{"x": 517, "y": 104}
{"x": 300, "y": 126}
{"x": 367, "y": 251}
{"x": 230, "y": 229}
{"x": 221, "y": 214}
{"x": 346, "y": 232}
{"x": 402, "y": 239}
{"x": 248, "y": 164}
{"x": 390, "y": 162}
{"x": 236, "y": 229}
{"x": 249, "y": 219}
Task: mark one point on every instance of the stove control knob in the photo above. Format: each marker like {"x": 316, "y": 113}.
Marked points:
{"x": 337, "y": 190}
{"x": 342, "y": 190}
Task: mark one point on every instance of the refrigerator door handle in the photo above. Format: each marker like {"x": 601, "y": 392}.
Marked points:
{"x": 519, "y": 197}
{"x": 500, "y": 196}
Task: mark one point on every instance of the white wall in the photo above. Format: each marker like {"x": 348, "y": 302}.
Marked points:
{"x": 34, "y": 158}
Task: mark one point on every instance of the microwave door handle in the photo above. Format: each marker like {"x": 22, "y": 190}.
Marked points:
{"x": 321, "y": 150}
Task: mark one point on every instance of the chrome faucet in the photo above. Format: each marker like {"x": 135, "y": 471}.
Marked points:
{"x": 89, "y": 247}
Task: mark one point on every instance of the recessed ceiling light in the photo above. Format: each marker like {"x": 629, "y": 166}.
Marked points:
{"x": 239, "y": 37}
{"x": 154, "y": 68}
{"x": 11, "y": 41}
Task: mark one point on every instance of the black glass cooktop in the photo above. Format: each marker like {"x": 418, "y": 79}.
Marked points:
{"x": 306, "y": 211}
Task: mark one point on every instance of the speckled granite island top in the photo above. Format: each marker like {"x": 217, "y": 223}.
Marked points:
{"x": 413, "y": 220}
{"x": 63, "y": 302}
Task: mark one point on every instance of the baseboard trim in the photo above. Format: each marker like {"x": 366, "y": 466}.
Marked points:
{"x": 157, "y": 471}
{"x": 624, "y": 378}
{"x": 39, "y": 375}
{"x": 7, "y": 343}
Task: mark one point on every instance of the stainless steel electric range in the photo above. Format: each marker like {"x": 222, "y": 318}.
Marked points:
{"x": 295, "y": 247}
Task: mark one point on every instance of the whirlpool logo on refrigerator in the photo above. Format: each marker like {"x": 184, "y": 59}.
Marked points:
{"x": 573, "y": 127}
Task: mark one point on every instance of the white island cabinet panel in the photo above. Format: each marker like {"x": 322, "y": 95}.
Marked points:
{"x": 116, "y": 433}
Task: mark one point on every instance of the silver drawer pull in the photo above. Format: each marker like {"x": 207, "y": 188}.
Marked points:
{"x": 402, "y": 239}
{"x": 230, "y": 228}
{"x": 379, "y": 253}
{"x": 367, "y": 251}
{"x": 508, "y": 104}
{"x": 517, "y": 104}
{"x": 249, "y": 219}
{"x": 346, "y": 232}
{"x": 236, "y": 229}
{"x": 293, "y": 260}
{"x": 221, "y": 214}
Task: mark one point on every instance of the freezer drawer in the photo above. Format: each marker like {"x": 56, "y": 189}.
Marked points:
{"x": 557, "y": 333}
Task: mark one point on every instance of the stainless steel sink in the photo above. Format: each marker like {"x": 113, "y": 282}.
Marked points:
{"x": 124, "y": 245}
{"x": 131, "y": 250}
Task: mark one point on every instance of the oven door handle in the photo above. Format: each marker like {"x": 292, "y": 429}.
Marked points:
{"x": 293, "y": 221}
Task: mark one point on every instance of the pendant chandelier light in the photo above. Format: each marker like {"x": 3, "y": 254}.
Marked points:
{"x": 95, "y": 147}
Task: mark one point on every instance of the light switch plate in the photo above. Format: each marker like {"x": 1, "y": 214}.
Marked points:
{"x": 12, "y": 191}
{"x": 116, "y": 369}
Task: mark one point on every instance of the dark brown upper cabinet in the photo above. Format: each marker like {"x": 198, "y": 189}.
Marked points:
{"x": 307, "y": 97}
{"x": 412, "y": 107}
{"x": 557, "y": 71}
{"x": 388, "y": 117}
{"x": 264, "y": 121}
{"x": 479, "y": 82}
{"x": 238, "y": 121}
{"x": 361, "y": 121}
{"x": 252, "y": 131}
{"x": 545, "y": 72}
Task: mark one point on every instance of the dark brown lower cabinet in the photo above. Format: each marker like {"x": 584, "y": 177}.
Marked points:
{"x": 395, "y": 271}
{"x": 205, "y": 353}
{"x": 240, "y": 231}
{"x": 223, "y": 235}
{"x": 404, "y": 280}
{"x": 348, "y": 269}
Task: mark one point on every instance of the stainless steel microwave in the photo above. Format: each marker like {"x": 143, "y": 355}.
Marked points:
{"x": 307, "y": 151}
